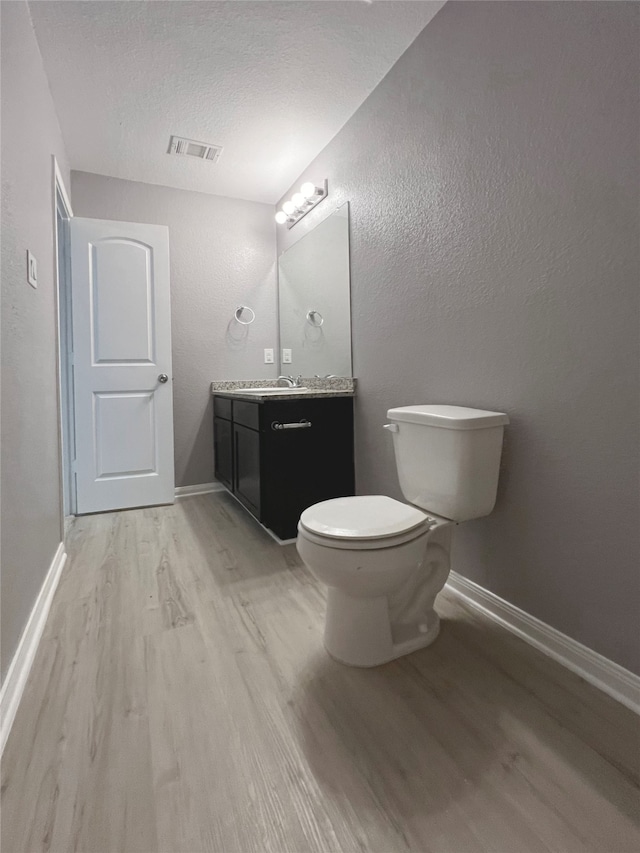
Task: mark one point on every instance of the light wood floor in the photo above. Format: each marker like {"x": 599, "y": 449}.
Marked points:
{"x": 181, "y": 701}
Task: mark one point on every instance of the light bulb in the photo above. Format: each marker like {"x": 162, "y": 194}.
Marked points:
{"x": 308, "y": 190}
{"x": 281, "y": 217}
{"x": 289, "y": 207}
{"x": 298, "y": 199}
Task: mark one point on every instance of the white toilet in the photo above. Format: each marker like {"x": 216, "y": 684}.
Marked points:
{"x": 384, "y": 561}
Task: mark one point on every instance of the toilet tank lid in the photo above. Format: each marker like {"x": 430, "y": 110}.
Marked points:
{"x": 448, "y": 417}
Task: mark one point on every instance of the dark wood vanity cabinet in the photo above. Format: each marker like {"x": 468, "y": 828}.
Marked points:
{"x": 280, "y": 456}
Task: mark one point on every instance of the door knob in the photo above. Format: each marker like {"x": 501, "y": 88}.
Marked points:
{"x": 163, "y": 378}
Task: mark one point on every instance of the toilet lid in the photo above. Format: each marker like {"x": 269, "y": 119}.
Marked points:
{"x": 361, "y": 517}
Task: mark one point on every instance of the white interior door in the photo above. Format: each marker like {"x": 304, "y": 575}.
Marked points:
{"x": 121, "y": 364}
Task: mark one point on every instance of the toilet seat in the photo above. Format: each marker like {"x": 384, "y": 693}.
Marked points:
{"x": 363, "y": 523}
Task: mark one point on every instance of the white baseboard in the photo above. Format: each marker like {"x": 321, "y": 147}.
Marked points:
{"x": 16, "y": 678}
{"x": 199, "y": 489}
{"x": 593, "y": 667}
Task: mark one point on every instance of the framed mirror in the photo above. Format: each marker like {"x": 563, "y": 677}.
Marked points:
{"x": 314, "y": 300}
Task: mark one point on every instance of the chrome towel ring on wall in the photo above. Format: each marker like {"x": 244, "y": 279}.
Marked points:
{"x": 314, "y": 318}
{"x": 239, "y": 312}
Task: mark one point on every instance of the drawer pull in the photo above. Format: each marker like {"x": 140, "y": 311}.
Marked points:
{"x": 303, "y": 424}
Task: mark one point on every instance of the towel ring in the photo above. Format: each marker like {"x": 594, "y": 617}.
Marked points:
{"x": 238, "y": 314}
{"x": 312, "y": 318}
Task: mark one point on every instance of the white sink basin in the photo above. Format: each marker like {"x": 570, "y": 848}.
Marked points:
{"x": 272, "y": 392}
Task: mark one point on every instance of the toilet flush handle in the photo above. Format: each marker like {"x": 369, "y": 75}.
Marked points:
{"x": 391, "y": 427}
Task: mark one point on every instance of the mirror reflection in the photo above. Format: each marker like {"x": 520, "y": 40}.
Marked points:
{"x": 314, "y": 300}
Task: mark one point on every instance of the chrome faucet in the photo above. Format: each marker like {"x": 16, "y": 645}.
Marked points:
{"x": 291, "y": 382}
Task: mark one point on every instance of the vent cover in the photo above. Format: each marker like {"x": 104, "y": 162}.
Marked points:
{"x": 192, "y": 148}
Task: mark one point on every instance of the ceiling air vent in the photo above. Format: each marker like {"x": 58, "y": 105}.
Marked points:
{"x": 191, "y": 148}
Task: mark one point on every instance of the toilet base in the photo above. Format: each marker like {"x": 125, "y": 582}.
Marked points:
{"x": 358, "y": 632}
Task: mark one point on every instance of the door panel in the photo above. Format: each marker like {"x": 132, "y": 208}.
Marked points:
{"x": 122, "y": 345}
{"x": 121, "y": 274}
{"x": 125, "y": 430}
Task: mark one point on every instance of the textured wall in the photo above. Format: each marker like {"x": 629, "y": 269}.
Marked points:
{"x": 31, "y": 512}
{"x": 222, "y": 255}
{"x": 493, "y": 182}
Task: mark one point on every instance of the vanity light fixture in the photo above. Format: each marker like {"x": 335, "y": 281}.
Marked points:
{"x": 301, "y": 203}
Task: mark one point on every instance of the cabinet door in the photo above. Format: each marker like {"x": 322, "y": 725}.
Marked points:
{"x": 223, "y": 451}
{"x": 306, "y": 465}
{"x": 246, "y": 485}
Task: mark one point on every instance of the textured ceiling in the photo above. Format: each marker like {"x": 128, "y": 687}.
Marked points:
{"x": 272, "y": 82}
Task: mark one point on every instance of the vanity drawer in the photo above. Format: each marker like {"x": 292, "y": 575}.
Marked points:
{"x": 247, "y": 414}
{"x": 222, "y": 408}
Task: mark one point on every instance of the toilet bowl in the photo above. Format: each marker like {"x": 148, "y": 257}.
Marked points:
{"x": 384, "y": 561}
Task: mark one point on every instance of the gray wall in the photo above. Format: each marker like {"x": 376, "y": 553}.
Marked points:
{"x": 31, "y": 513}
{"x": 222, "y": 255}
{"x": 493, "y": 182}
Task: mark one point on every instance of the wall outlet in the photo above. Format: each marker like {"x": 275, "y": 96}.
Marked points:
{"x": 268, "y": 356}
{"x": 286, "y": 356}
{"x": 32, "y": 270}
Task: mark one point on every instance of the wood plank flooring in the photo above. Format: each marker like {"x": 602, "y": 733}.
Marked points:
{"x": 181, "y": 701}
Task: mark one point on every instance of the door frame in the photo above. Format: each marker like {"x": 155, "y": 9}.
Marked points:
{"x": 64, "y": 346}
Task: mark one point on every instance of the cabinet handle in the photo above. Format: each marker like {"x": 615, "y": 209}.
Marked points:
{"x": 303, "y": 424}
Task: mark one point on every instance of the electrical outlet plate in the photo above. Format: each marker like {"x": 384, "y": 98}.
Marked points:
{"x": 268, "y": 356}
{"x": 32, "y": 270}
{"x": 286, "y": 356}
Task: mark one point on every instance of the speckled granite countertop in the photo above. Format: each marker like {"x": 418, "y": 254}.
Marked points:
{"x": 317, "y": 388}
{"x": 295, "y": 394}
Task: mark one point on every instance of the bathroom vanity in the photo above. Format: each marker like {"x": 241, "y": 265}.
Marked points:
{"x": 280, "y": 454}
{"x": 281, "y": 450}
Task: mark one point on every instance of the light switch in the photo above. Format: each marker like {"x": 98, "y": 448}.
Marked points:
{"x": 32, "y": 270}
{"x": 286, "y": 356}
{"x": 268, "y": 356}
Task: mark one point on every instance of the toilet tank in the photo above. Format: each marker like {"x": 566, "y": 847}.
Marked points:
{"x": 448, "y": 458}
